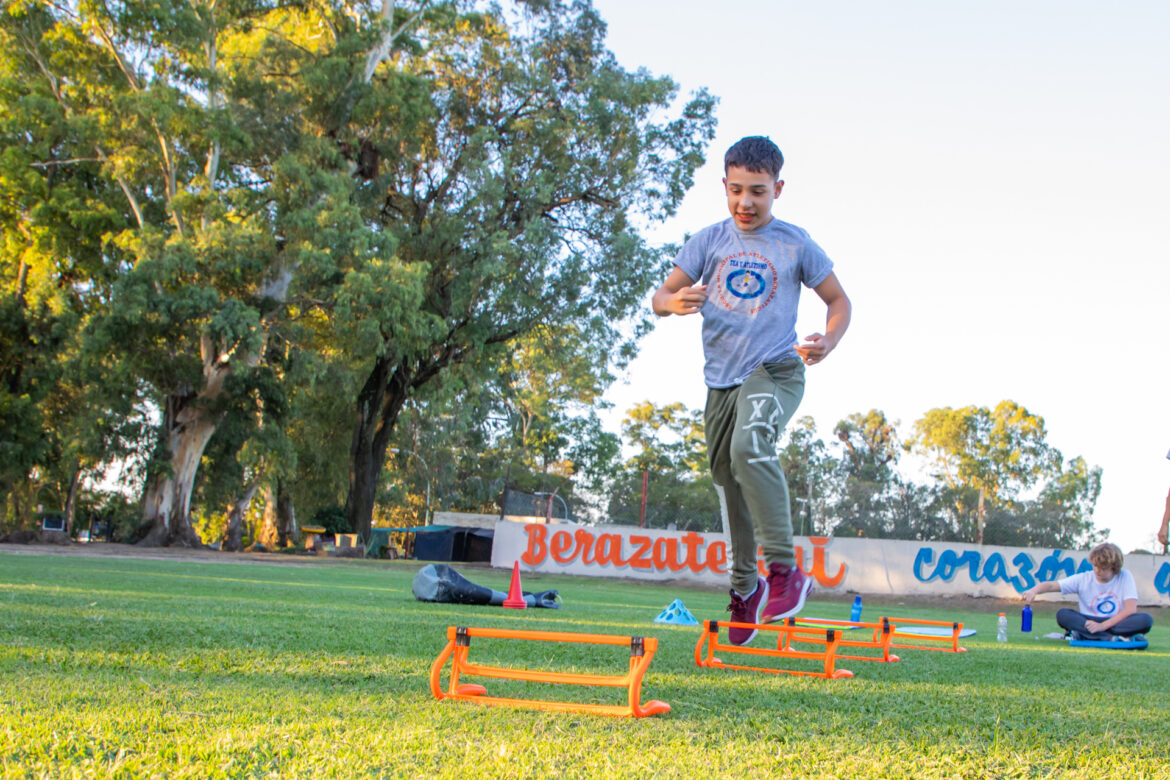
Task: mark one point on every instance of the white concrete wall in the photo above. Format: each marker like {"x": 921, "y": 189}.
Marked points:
{"x": 474, "y": 520}
{"x": 838, "y": 565}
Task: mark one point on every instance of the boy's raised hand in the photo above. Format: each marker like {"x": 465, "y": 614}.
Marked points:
{"x": 679, "y": 295}
{"x": 815, "y": 349}
{"x": 688, "y": 300}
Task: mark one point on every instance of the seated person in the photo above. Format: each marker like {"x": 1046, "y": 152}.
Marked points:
{"x": 1107, "y": 598}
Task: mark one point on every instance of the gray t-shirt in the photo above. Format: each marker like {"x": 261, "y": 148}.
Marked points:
{"x": 753, "y": 280}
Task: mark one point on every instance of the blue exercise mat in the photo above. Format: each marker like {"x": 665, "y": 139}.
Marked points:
{"x": 1110, "y": 644}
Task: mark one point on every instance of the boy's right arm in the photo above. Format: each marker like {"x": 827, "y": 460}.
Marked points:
{"x": 1043, "y": 587}
{"x": 679, "y": 295}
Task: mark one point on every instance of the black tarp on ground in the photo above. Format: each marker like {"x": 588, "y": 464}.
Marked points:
{"x": 440, "y": 583}
{"x": 455, "y": 544}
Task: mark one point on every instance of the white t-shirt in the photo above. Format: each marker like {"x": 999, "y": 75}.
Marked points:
{"x": 1100, "y": 599}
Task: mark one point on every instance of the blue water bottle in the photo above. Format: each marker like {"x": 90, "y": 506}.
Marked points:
{"x": 855, "y": 615}
{"x": 1026, "y": 619}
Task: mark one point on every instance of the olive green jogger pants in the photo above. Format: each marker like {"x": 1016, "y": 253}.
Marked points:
{"x": 742, "y": 427}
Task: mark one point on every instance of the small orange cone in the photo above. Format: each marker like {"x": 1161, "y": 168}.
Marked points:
{"x": 515, "y": 598}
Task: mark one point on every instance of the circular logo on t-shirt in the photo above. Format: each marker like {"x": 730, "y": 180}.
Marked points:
{"x": 1106, "y": 605}
{"x": 745, "y": 282}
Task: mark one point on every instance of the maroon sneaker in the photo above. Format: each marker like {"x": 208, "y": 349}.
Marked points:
{"x": 788, "y": 586}
{"x": 746, "y": 611}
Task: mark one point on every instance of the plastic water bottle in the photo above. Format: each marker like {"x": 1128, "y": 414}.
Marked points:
{"x": 1026, "y": 619}
{"x": 1001, "y": 628}
{"x": 855, "y": 614}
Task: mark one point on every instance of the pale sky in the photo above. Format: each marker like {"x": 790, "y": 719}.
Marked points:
{"x": 991, "y": 179}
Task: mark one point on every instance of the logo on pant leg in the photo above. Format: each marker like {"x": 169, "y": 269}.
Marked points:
{"x": 766, "y": 410}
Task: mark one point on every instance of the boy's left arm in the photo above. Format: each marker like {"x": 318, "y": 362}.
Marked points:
{"x": 839, "y": 311}
{"x": 1129, "y": 606}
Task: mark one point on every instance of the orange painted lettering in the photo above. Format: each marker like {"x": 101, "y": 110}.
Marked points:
{"x": 665, "y": 554}
{"x": 561, "y": 542}
{"x": 717, "y": 558}
{"x": 639, "y": 559}
{"x": 537, "y": 549}
{"x": 692, "y": 541}
{"x": 585, "y": 545}
{"x": 818, "y": 568}
{"x": 609, "y": 550}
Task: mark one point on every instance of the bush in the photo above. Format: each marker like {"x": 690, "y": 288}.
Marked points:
{"x": 111, "y": 511}
{"x": 332, "y": 519}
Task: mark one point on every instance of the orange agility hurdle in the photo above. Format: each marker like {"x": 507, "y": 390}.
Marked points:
{"x": 951, "y": 638}
{"x": 883, "y": 634}
{"x": 830, "y": 637}
{"x": 458, "y": 646}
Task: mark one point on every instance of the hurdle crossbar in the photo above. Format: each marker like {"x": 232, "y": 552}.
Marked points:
{"x": 708, "y": 644}
{"x": 951, "y": 639}
{"x": 883, "y": 634}
{"x": 458, "y": 647}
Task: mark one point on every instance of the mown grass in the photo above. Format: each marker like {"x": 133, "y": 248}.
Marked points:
{"x": 130, "y": 668}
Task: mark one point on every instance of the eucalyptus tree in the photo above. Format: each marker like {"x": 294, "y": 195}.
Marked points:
{"x": 57, "y": 207}
{"x": 666, "y": 479}
{"x": 1032, "y": 496}
{"x": 869, "y": 485}
{"x": 512, "y": 163}
{"x": 813, "y": 477}
{"x": 1000, "y": 451}
{"x": 397, "y": 189}
{"x": 153, "y": 103}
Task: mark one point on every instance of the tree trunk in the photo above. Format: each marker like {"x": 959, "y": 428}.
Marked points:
{"x": 286, "y": 516}
{"x": 71, "y": 500}
{"x": 167, "y": 505}
{"x": 189, "y": 426}
{"x": 233, "y": 535}
{"x": 379, "y": 404}
{"x": 268, "y": 534}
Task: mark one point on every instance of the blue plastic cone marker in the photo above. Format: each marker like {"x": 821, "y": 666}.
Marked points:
{"x": 676, "y": 614}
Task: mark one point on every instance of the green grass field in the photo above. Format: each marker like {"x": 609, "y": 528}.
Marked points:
{"x": 122, "y": 667}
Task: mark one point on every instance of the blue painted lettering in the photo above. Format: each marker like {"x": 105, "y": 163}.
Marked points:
{"x": 1162, "y": 580}
{"x": 994, "y": 568}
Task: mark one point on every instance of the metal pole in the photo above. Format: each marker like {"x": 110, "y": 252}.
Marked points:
{"x": 642, "y": 513}
{"x": 548, "y": 506}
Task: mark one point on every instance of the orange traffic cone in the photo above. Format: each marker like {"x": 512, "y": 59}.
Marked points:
{"x": 515, "y": 598}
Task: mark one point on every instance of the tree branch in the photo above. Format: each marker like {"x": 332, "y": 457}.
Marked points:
{"x": 382, "y": 50}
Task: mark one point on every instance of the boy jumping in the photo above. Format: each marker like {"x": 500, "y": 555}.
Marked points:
{"x": 751, "y": 268}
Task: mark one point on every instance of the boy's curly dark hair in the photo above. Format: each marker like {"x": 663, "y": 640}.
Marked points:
{"x": 756, "y": 153}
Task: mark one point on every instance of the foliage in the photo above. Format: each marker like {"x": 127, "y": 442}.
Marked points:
{"x": 864, "y": 492}
{"x": 257, "y": 222}
{"x": 670, "y": 460}
{"x": 1001, "y": 451}
{"x": 331, "y": 518}
{"x": 55, "y": 208}
{"x": 812, "y": 476}
{"x": 111, "y": 668}
{"x": 512, "y": 163}
{"x": 255, "y": 242}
